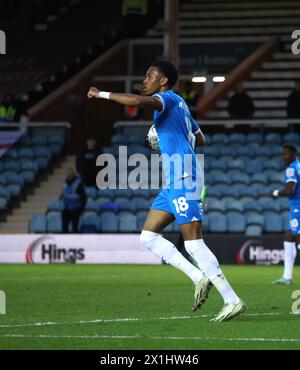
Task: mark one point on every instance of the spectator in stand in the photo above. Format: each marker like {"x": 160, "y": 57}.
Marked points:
{"x": 8, "y": 109}
{"x": 190, "y": 95}
{"x": 240, "y": 104}
{"x": 86, "y": 162}
{"x": 293, "y": 102}
{"x": 74, "y": 199}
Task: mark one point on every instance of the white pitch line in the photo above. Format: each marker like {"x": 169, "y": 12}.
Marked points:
{"x": 128, "y": 319}
{"x": 202, "y": 339}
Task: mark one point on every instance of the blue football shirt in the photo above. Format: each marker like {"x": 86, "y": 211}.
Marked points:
{"x": 176, "y": 130}
{"x": 292, "y": 174}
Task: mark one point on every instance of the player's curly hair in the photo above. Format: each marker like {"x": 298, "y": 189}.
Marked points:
{"x": 291, "y": 147}
{"x": 168, "y": 70}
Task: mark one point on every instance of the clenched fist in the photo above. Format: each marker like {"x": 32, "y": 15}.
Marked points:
{"x": 93, "y": 93}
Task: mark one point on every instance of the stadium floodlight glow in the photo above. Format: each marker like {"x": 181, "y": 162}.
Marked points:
{"x": 198, "y": 79}
{"x": 218, "y": 79}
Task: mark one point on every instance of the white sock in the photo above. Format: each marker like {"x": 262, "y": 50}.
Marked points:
{"x": 209, "y": 265}
{"x": 165, "y": 250}
{"x": 290, "y": 253}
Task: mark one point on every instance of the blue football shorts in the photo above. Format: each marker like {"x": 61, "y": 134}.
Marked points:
{"x": 182, "y": 202}
{"x": 294, "y": 222}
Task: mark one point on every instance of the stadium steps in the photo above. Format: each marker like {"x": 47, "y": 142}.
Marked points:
{"x": 35, "y": 204}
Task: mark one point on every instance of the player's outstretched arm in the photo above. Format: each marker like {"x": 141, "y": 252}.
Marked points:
{"x": 131, "y": 100}
{"x": 286, "y": 192}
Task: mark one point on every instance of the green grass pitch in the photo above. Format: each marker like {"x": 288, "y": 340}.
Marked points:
{"x": 141, "y": 307}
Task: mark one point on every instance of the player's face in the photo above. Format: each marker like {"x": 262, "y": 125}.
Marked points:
{"x": 287, "y": 156}
{"x": 153, "y": 81}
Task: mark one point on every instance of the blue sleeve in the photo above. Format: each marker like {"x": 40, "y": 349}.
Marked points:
{"x": 195, "y": 126}
{"x": 167, "y": 102}
{"x": 290, "y": 175}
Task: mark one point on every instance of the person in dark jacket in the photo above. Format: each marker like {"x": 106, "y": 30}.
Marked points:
{"x": 240, "y": 104}
{"x": 293, "y": 102}
{"x": 86, "y": 162}
{"x": 74, "y": 199}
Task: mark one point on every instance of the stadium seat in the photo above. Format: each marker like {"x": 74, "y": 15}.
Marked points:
{"x": 244, "y": 150}
{"x": 88, "y": 223}
{"x": 214, "y": 204}
{"x": 119, "y": 140}
{"x": 236, "y": 164}
{"x": 235, "y": 205}
{"x": 141, "y": 217}
{"x": 269, "y": 204}
{"x": 260, "y": 189}
{"x": 219, "y": 138}
{"x": 141, "y": 204}
{"x": 253, "y": 230}
{"x": 38, "y": 224}
{"x": 55, "y": 149}
{"x": 237, "y": 137}
{"x": 38, "y": 139}
{"x": 91, "y": 192}
{"x": 217, "y": 222}
{"x": 123, "y": 193}
{"x": 273, "y": 222}
{"x": 222, "y": 179}
{"x": 106, "y": 193}
{"x": 285, "y": 219}
{"x": 26, "y": 153}
{"x": 273, "y": 137}
{"x": 54, "y": 222}
{"x": 55, "y": 206}
{"x": 236, "y": 222}
{"x": 228, "y": 150}
{"x": 212, "y": 150}
{"x": 291, "y": 137}
{"x": 91, "y": 205}
{"x": 11, "y": 165}
{"x": 255, "y": 138}
{"x": 276, "y": 177}
{"x": 3, "y": 180}
{"x": 283, "y": 203}
{"x": 108, "y": 206}
{"x": 125, "y": 204}
{"x": 258, "y": 178}
{"x": 273, "y": 165}
{"x": 262, "y": 151}
{"x": 57, "y": 139}
{"x": 12, "y": 154}
{"x": 253, "y": 166}
{"x": 127, "y": 222}
{"x": 253, "y": 206}
{"x": 4, "y": 193}
{"x": 109, "y": 222}
{"x": 214, "y": 191}
{"x": 254, "y": 218}
{"x": 136, "y": 139}
{"x": 239, "y": 178}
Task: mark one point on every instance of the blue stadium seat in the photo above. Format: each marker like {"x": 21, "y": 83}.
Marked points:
{"x": 57, "y": 139}
{"x": 3, "y": 180}
{"x": 273, "y": 137}
{"x": 219, "y": 138}
{"x": 217, "y": 222}
{"x": 88, "y": 223}
{"x": 11, "y": 165}
{"x": 222, "y": 179}
{"x": 214, "y": 204}
{"x": 101, "y": 200}
{"x": 214, "y": 191}
{"x": 12, "y": 154}
{"x": 123, "y": 193}
{"x": 262, "y": 151}
{"x": 239, "y": 178}
{"x": 258, "y": 178}
{"x": 235, "y": 205}
{"x": 260, "y": 189}
{"x": 26, "y": 153}
{"x": 276, "y": 177}
{"x": 255, "y": 138}
{"x": 228, "y": 191}
{"x": 55, "y": 149}
{"x": 237, "y": 137}
{"x": 205, "y": 224}
{"x": 55, "y": 206}
{"x": 127, "y": 222}
{"x": 228, "y": 150}
{"x": 54, "y": 222}
{"x": 38, "y": 139}
{"x": 255, "y": 218}
{"x": 91, "y": 192}
{"x": 253, "y": 230}
{"x": 253, "y": 166}
{"x": 106, "y": 193}
{"x": 109, "y": 222}
{"x": 273, "y": 165}
{"x": 125, "y": 204}
{"x": 92, "y": 205}
{"x": 269, "y": 204}
{"x": 38, "y": 224}
{"x": 136, "y": 139}
{"x": 218, "y": 164}
{"x": 276, "y": 150}
{"x": 42, "y": 152}
{"x": 145, "y": 193}
{"x": 244, "y": 150}
{"x": 141, "y": 204}
{"x": 119, "y": 140}
{"x": 4, "y": 193}
{"x": 247, "y": 191}
{"x": 283, "y": 203}
{"x": 236, "y": 222}
{"x": 285, "y": 219}
{"x": 108, "y": 206}
{"x": 273, "y": 222}
{"x": 291, "y": 137}
{"x": 253, "y": 206}
{"x": 236, "y": 164}
{"x": 212, "y": 150}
